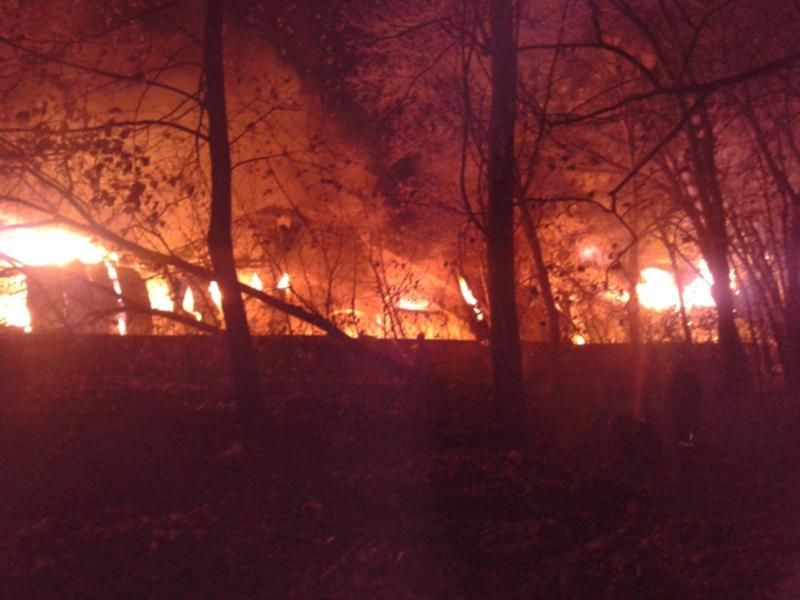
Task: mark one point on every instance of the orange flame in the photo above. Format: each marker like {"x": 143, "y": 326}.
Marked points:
{"x": 255, "y": 282}
{"x": 49, "y": 246}
{"x": 40, "y": 246}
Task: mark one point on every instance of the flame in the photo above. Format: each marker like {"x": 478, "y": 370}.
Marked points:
{"x": 14, "y": 303}
{"x": 42, "y": 246}
{"x": 255, "y": 282}
{"x": 188, "y": 304}
{"x": 216, "y": 294}
{"x": 658, "y": 291}
{"x": 284, "y": 282}
{"x": 49, "y": 246}
{"x": 578, "y": 340}
{"x": 698, "y": 292}
{"x": 412, "y": 305}
{"x": 111, "y": 269}
{"x": 466, "y": 293}
{"x": 159, "y": 296}
{"x": 470, "y": 298}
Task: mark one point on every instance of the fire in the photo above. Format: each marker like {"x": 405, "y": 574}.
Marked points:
{"x": 159, "y": 296}
{"x": 658, "y": 291}
{"x": 111, "y": 269}
{"x": 470, "y": 298}
{"x": 284, "y": 282}
{"x": 188, "y": 304}
{"x": 698, "y": 292}
{"x": 14, "y": 303}
{"x": 49, "y": 246}
{"x": 216, "y": 294}
{"x": 578, "y": 340}
{"x": 256, "y": 283}
{"x": 412, "y": 305}
{"x": 45, "y": 246}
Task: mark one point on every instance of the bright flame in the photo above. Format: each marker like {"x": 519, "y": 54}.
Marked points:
{"x": 255, "y": 282}
{"x": 49, "y": 246}
{"x": 657, "y": 289}
{"x": 42, "y": 246}
{"x": 159, "y": 296}
{"x": 470, "y": 298}
{"x": 698, "y": 291}
{"x": 413, "y": 305}
{"x": 188, "y": 304}
{"x": 466, "y": 293}
{"x": 14, "y": 302}
{"x": 216, "y": 294}
{"x": 283, "y": 282}
{"x": 111, "y": 269}
{"x": 578, "y": 340}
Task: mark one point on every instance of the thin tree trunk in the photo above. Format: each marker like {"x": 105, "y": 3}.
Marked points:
{"x": 240, "y": 345}
{"x": 792, "y": 364}
{"x": 504, "y": 333}
{"x": 553, "y": 318}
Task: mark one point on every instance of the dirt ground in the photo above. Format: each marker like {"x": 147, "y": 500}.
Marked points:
{"x": 126, "y": 487}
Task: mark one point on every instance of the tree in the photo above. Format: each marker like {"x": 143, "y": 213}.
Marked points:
{"x": 504, "y": 332}
{"x": 240, "y": 345}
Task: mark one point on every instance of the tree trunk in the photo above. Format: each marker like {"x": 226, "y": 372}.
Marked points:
{"x": 713, "y": 241}
{"x": 240, "y": 345}
{"x": 734, "y": 362}
{"x": 553, "y": 318}
{"x": 792, "y": 365}
{"x": 504, "y": 333}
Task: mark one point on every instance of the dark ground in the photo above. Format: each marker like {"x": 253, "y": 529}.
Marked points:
{"x": 128, "y": 488}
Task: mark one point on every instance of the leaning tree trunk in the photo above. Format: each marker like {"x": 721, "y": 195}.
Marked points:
{"x": 553, "y": 317}
{"x": 504, "y": 333}
{"x": 240, "y": 345}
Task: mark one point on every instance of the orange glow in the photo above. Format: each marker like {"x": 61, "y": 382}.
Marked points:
{"x": 578, "y": 340}
{"x": 284, "y": 282}
{"x": 589, "y": 253}
{"x": 255, "y": 282}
